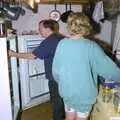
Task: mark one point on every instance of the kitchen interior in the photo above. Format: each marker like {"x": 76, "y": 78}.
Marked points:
{"x": 23, "y": 84}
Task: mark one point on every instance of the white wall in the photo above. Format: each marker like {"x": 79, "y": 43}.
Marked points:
{"x": 106, "y": 32}
{"x": 116, "y": 45}
{"x": 30, "y": 20}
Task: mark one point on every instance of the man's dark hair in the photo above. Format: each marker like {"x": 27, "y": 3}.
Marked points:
{"x": 52, "y": 24}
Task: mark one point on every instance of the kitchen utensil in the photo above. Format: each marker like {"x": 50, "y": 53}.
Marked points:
{"x": 65, "y": 15}
{"x": 55, "y": 14}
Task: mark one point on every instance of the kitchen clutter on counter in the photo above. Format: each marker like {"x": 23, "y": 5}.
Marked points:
{"x": 30, "y": 32}
{"x": 107, "y": 106}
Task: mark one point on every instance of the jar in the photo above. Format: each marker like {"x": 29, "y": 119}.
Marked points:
{"x": 108, "y": 88}
{"x": 116, "y": 102}
{"x": 106, "y": 94}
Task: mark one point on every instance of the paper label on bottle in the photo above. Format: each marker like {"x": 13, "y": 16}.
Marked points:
{"x": 114, "y": 118}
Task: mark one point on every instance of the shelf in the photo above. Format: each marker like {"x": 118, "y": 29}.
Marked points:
{"x": 76, "y": 1}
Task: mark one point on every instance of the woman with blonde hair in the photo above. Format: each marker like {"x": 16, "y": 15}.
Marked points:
{"x": 77, "y": 63}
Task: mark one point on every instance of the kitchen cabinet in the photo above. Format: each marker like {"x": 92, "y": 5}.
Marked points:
{"x": 23, "y": 83}
{"x": 75, "y": 1}
{"x": 30, "y": 1}
{"x": 53, "y": 1}
{"x": 50, "y": 1}
{"x": 66, "y": 1}
{"x": 34, "y": 84}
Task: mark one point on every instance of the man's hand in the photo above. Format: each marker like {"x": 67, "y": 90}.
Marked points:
{"x": 29, "y": 55}
{"x": 12, "y": 53}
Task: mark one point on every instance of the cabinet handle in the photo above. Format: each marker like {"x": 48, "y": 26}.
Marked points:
{"x": 39, "y": 74}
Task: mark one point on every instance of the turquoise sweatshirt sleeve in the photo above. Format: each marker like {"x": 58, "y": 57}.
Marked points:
{"x": 56, "y": 63}
{"x": 103, "y": 65}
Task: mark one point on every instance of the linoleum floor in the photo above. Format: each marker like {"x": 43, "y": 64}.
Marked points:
{"x": 40, "y": 112}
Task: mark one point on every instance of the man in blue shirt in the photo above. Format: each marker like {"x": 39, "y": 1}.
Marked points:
{"x": 49, "y": 29}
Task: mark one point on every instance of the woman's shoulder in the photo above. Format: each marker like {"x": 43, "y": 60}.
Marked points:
{"x": 88, "y": 42}
{"x": 64, "y": 40}
{"x": 83, "y": 40}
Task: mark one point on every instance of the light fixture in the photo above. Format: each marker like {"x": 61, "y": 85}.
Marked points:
{"x": 37, "y": 1}
{"x": 31, "y": 3}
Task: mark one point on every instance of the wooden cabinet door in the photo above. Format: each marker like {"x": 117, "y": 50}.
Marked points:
{"x": 76, "y": 1}
{"x": 51, "y": 1}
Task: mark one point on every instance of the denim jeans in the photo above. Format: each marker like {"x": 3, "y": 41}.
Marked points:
{"x": 56, "y": 101}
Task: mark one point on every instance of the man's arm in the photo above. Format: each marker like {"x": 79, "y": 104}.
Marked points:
{"x": 29, "y": 55}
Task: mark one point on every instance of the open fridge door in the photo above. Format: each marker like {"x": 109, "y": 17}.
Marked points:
{"x": 14, "y": 80}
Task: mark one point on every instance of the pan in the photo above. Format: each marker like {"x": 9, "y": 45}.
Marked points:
{"x": 65, "y": 15}
{"x": 55, "y": 14}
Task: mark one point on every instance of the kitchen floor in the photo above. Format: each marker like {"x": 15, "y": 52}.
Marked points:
{"x": 40, "y": 112}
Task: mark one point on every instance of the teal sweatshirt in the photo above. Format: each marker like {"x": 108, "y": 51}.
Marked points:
{"x": 76, "y": 65}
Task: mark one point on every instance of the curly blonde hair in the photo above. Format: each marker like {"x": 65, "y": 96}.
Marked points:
{"x": 78, "y": 23}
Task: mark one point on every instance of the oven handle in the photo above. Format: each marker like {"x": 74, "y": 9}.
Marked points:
{"x": 39, "y": 74}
